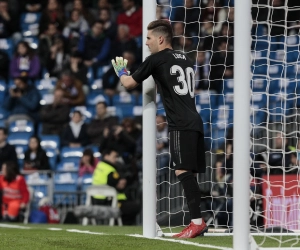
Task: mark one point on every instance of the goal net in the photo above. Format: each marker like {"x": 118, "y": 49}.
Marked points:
{"x": 205, "y": 31}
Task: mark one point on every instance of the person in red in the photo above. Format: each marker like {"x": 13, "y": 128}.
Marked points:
{"x": 88, "y": 162}
{"x": 132, "y": 16}
{"x": 14, "y": 190}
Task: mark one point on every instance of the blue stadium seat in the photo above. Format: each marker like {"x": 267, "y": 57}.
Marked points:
{"x": 207, "y": 100}
{"x": 90, "y": 75}
{"x": 52, "y": 157}
{"x": 46, "y": 84}
{"x": 276, "y": 70}
{"x": 50, "y": 141}
{"x": 130, "y": 111}
{"x": 86, "y": 181}
{"x": 71, "y": 154}
{"x": 261, "y": 43}
{"x": 20, "y": 141}
{"x": 228, "y": 85}
{"x": 96, "y": 86}
{"x": 258, "y": 30}
{"x": 124, "y": 99}
{"x": 88, "y": 112}
{"x": 277, "y": 42}
{"x": 259, "y": 84}
{"x": 258, "y": 108}
{"x": 95, "y": 149}
{"x": 40, "y": 183}
{"x": 293, "y": 70}
{"x": 46, "y": 97}
{"x": 282, "y": 85}
{"x": 33, "y": 41}
{"x": 65, "y": 182}
{"x": 158, "y": 100}
{"x": 226, "y": 99}
{"x": 30, "y": 23}
{"x": 102, "y": 70}
{"x": 3, "y": 90}
{"x": 21, "y": 126}
{"x": 93, "y": 98}
{"x": 218, "y": 136}
{"x": 6, "y": 45}
{"x": 223, "y": 116}
{"x": 281, "y": 105}
{"x": 68, "y": 166}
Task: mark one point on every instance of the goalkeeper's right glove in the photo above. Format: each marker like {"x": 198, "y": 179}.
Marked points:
{"x": 120, "y": 66}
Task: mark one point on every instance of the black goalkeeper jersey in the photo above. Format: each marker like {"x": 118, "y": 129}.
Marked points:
{"x": 174, "y": 75}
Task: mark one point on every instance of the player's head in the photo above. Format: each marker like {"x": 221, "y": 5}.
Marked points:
{"x": 159, "y": 35}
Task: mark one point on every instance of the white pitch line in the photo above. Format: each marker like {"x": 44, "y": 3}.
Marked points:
{"x": 54, "y": 229}
{"x": 182, "y": 242}
{"x": 83, "y": 232}
{"x": 13, "y": 226}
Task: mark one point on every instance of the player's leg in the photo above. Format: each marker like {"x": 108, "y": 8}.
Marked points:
{"x": 183, "y": 147}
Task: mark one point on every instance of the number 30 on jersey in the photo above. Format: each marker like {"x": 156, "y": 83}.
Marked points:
{"x": 185, "y": 78}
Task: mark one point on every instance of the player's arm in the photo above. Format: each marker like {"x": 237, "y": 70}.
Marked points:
{"x": 120, "y": 68}
{"x": 128, "y": 82}
{"x": 142, "y": 73}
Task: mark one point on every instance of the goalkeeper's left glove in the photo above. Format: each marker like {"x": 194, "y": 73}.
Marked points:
{"x": 120, "y": 66}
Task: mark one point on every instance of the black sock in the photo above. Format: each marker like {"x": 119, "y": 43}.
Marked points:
{"x": 192, "y": 193}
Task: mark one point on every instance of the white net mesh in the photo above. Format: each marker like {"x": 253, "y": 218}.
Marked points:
{"x": 204, "y": 30}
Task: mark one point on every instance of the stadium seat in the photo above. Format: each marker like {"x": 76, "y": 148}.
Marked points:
{"x": 228, "y": 85}
{"x": 18, "y": 138}
{"x": 3, "y": 114}
{"x": 222, "y": 117}
{"x": 52, "y": 157}
{"x": 50, "y": 141}
{"x": 68, "y": 166}
{"x": 2, "y": 90}
{"x": 21, "y": 126}
{"x": 46, "y": 97}
{"x": 41, "y": 184}
{"x": 258, "y": 109}
{"x": 93, "y": 98}
{"x": 46, "y": 84}
{"x": 65, "y": 188}
{"x": 260, "y": 43}
{"x": 97, "y": 86}
{"x": 86, "y": 181}
{"x": 30, "y": 23}
{"x": 130, "y": 111}
{"x": 259, "y": 84}
{"x": 20, "y": 141}
{"x": 218, "y": 136}
{"x": 207, "y": 100}
{"x": 88, "y": 112}
{"x": 277, "y": 42}
{"x": 123, "y": 99}
{"x": 71, "y": 154}
{"x": 276, "y": 70}
{"x": 102, "y": 70}
{"x": 65, "y": 182}
{"x": 7, "y": 46}
{"x": 33, "y": 41}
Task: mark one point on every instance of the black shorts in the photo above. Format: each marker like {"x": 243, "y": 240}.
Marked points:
{"x": 187, "y": 151}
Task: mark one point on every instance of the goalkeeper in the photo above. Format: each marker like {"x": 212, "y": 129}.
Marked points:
{"x": 174, "y": 76}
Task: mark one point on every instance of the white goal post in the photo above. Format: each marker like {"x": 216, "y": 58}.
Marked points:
{"x": 265, "y": 70}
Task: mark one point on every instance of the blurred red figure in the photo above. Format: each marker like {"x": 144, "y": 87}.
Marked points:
{"x": 15, "y": 194}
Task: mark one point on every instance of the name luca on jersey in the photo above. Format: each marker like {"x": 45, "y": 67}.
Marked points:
{"x": 179, "y": 56}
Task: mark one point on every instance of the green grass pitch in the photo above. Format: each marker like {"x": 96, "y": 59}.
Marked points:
{"x": 37, "y": 236}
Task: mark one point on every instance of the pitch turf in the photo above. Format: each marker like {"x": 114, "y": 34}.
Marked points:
{"x": 35, "y": 236}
